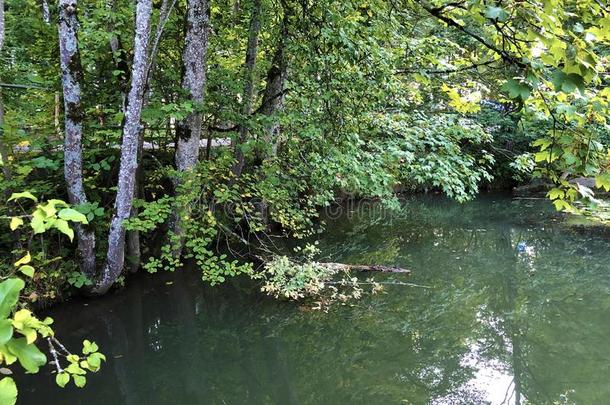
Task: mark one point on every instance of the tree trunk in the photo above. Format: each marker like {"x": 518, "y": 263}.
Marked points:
{"x": 115, "y": 257}
{"x": 119, "y": 57}
{"x": 250, "y": 65}
{"x": 6, "y": 170}
{"x": 273, "y": 102}
{"x": 134, "y": 250}
{"x": 1, "y": 25}
{"x": 56, "y": 112}
{"x": 273, "y": 98}
{"x": 188, "y": 131}
{"x": 71, "y": 77}
{"x": 46, "y": 14}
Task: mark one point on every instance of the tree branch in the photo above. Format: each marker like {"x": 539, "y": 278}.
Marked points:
{"x": 447, "y": 71}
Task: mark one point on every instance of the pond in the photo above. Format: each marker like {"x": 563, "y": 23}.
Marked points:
{"x": 511, "y": 307}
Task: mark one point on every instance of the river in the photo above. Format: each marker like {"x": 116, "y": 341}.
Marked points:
{"x": 511, "y": 307}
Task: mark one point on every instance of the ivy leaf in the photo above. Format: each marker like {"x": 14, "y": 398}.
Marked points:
{"x": 9, "y": 294}
{"x": 70, "y": 214}
{"x": 8, "y": 391}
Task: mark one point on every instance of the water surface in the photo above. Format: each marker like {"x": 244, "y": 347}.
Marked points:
{"x": 517, "y": 311}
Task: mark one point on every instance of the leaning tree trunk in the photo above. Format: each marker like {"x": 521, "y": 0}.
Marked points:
{"x": 71, "y": 77}
{"x": 188, "y": 131}
{"x": 134, "y": 251}
{"x": 115, "y": 257}
{"x": 251, "y": 51}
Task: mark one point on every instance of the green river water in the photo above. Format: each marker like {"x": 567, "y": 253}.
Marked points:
{"x": 517, "y": 311}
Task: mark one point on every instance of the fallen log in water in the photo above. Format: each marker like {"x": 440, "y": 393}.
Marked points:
{"x": 337, "y": 267}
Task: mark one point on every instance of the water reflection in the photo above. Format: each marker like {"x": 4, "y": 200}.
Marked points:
{"x": 503, "y": 323}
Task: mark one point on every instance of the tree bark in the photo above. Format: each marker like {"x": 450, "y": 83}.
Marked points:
{"x": 3, "y": 149}
{"x": 115, "y": 257}
{"x": 56, "y": 113}
{"x": 250, "y": 65}
{"x": 46, "y": 13}
{"x": 71, "y": 78}
{"x": 273, "y": 98}
{"x": 6, "y": 168}
{"x": 134, "y": 251}
{"x": 1, "y": 25}
{"x": 188, "y": 131}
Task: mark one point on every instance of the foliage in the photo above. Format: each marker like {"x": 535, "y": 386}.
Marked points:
{"x": 282, "y": 277}
{"x": 373, "y": 99}
{"x": 21, "y": 332}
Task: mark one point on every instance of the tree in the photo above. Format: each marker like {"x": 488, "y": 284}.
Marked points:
{"x": 115, "y": 256}
{"x": 249, "y": 82}
{"x": 72, "y": 75}
{"x": 188, "y": 131}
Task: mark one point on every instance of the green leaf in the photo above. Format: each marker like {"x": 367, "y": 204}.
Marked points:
{"x": 9, "y": 294}
{"x": 8, "y": 391}
{"x": 79, "y": 381}
{"x": 24, "y": 260}
{"x": 6, "y": 331}
{"x": 562, "y": 205}
{"x": 37, "y": 222}
{"x": 70, "y": 214}
{"x": 25, "y": 194}
{"x": 16, "y": 222}
{"x": 603, "y": 181}
{"x": 496, "y": 13}
{"x": 94, "y": 360}
{"x": 568, "y": 82}
{"x": 27, "y": 270}
{"x": 64, "y": 228}
{"x": 517, "y": 89}
{"x": 62, "y": 379}
{"x": 556, "y": 193}
{"x": 29, "y": 356}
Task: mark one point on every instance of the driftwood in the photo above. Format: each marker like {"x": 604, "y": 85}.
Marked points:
{"x": 337, "y": 267}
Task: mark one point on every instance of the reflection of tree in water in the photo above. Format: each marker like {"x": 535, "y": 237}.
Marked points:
{"x": 532, "y": 310}
{"x": 539, "y": 317}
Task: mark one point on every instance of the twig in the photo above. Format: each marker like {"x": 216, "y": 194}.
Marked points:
{"x": 62, "y": 347}
{"x": 22, "y": 86}
{"x": 54, "y": 354}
